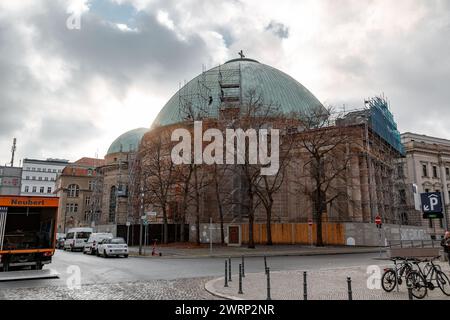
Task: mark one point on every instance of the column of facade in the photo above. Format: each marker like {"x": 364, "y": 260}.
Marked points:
{"x": 365, "y": 190}
{"x": 356, "y": 189}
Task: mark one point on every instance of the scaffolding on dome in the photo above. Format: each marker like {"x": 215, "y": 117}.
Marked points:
{"x": 219, "y": 86}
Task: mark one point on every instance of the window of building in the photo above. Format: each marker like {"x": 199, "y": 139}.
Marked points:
{"x": 34, "y": 178}
{"x": 54, "y": 170}
{"x": 112, "y": 204}
{"x": 49, "y": 190}
{"x": 27, "y": 178}
{"x": 87, "y": 201}
{"x": 52, "y": 179}
{"x": 427, "y": 190}
{"x": 435, "y": 172}
{"x": 46, "y": 178}
{"x": 33, "y": 169}
{"x": 402, "y": 196}
{"x": 40, "y": 178}
{"x": 34, "y": 189}
{"x": 75, "y": 207}
{"x": 39, "y": 169}
{"x": 59, "y": 171}
{"x": 400, "y": 171}
{"x": 430, "y": 223}
{"x": 404, "y": 218}
{"x": 27, "y": 188}
{"x": 41, "y": 190}
{"x": 447, "y": 173}
{"x": 91, "y": 185}
{"x": 424, "y": 170}
{"x": 74, "y": 191}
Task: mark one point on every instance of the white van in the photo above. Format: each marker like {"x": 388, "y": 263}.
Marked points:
{"x": 76, "y": 238}
{"x": 95, "y": 238}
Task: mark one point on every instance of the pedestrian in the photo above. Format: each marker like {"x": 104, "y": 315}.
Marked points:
{"x": 446, "y": 244}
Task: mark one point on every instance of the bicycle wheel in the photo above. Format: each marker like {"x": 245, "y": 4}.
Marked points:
{"x": 418, "y": 284}
{"x": 388, "y": 280}
{"x": 443, "y": 282}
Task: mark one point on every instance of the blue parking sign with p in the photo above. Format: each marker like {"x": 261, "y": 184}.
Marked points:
{"x": 432, "y": 205}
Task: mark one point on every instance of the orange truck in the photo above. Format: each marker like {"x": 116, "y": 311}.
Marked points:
{"x": 28, "y": 228}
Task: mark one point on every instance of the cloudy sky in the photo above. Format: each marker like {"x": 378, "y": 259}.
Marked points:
{"x": 68, "y": 93}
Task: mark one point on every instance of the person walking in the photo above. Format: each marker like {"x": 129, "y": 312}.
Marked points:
{"x": 446, "y": 244}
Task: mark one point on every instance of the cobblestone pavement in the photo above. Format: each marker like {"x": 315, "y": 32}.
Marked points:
{"x": 181, "y": 289}
{"x": 322, "y": 285}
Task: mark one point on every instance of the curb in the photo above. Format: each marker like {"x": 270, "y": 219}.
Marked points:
{"x": 259, "y": 255}
{"x": 209, "y": 287}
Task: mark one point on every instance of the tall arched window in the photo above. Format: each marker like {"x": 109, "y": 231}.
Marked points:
{"x": 112, "y": 204}
{"x": 74, "y": 191}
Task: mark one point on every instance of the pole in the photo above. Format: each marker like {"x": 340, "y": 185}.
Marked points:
{"x": 140, "y": 221}
{"x": 229, "y": 270}
{"x": 240, "y": 280}
{"x": 128, "y": 235}
{"x": 226, "y": 276}
{"x": 268, "y": 284}
{"x": 243, "y": 267}
{"x": 379, "y": 233}
{"x": 210, "y": 236}
{"x": 349, "y": 284}
{"x": 305, "y": 287}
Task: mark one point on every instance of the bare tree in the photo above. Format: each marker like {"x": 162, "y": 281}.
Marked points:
{"x": 325, "y": 150}
{"x": 158, "y": 171}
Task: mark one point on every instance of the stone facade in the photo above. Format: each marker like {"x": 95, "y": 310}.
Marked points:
{"x": 75, "y": 186}
{"x": 427, "y": 164}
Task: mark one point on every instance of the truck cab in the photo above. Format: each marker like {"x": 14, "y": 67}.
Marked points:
{"x": 27, "y": 231}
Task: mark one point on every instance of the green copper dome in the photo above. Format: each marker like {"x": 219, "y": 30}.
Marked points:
{"x": 235, "y": 80}
{"x": 129, "y": 141}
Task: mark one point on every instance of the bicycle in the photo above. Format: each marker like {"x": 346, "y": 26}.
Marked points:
{"x": 421, "y": 280}
{"x": 394, "y": 276}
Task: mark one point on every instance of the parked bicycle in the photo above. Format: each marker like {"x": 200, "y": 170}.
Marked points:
{"x": 395, "y": 276}
{"x": 427, "y": 278}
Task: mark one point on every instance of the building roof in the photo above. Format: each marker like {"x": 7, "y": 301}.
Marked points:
{"x": 204, "y": 91}
{"x": 90, "y": 162}
{"x": 61, "y": 162}
{"x": 129, "y": 141}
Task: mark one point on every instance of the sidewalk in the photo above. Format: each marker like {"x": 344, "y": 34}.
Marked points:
{"x": 193, "y": 251}
{"x": 323, "y": 284}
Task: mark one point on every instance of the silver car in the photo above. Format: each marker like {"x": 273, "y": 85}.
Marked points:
{"x": 112, "y": 247}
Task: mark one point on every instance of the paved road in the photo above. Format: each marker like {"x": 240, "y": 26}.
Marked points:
{"x": 155, "y": 277}
{"x": 96, "y": 270}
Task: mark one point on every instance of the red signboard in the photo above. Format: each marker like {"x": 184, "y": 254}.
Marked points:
{"x": 378, "y": 220}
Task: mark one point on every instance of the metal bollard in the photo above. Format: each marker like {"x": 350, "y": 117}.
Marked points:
{"x": 268, "y": 284}
{"x": 305, "y": 287}
{"x": 229, "y": 270}
{"x": 226, "y": 276}
{"x": 243, "y": 267}
{"x": 265, "y": 263}
{"x": 410, "y": 295}
{"x": 240, "y": 280}
{"x": 350, "y": 293}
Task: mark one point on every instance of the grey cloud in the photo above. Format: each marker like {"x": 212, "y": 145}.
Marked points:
{"x": 278, "y": 29}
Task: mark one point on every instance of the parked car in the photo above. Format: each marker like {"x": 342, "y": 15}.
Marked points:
{"x": 60, "y": 239}
{"x": 93, "y": 241}
{"x": 76, "y": 238}
{"x": 112, "y": 247}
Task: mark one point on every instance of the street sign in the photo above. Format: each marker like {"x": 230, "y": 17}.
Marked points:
{"x": 378, "y": 221}
{"x": 128, "y": 223}
{"x": 432, "y": 205}
{"x": 310, "y": 222}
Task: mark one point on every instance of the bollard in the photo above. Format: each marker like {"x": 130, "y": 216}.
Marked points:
{"x": 226, "y": 276}
{"x": 268, "y": 284}
{"x": 229, "y": 270}
{"x": 243, "y": 267}
{"x": 265, "y": 263}
{"x": 240, "y": 280}
{"x": 349, "y": 283}
{"x": 305, "y": 287}
{"x": 410, "y": 295}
